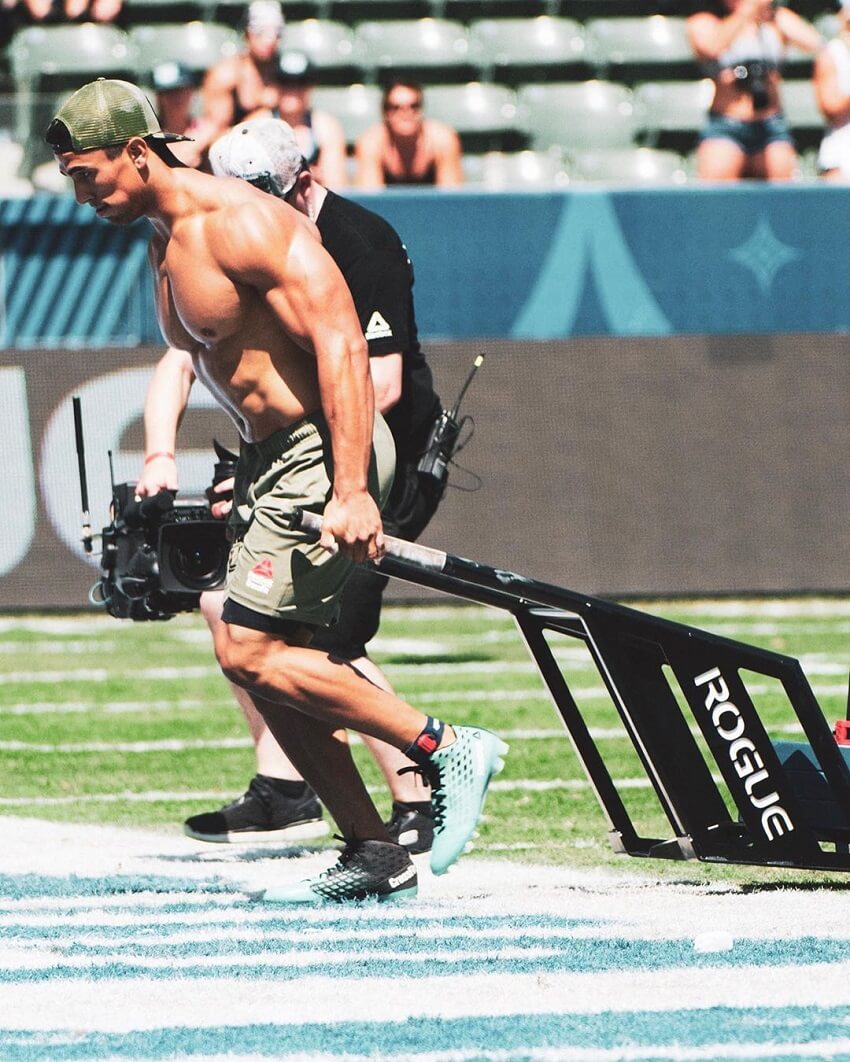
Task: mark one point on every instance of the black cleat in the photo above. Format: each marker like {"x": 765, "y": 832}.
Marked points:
{"x": 263, "y": 813}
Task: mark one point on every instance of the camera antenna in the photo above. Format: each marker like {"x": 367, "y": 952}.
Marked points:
{"x": 476, "y": 365}
{"x": 81, "y": 464}
{"x": 444, "y": 437}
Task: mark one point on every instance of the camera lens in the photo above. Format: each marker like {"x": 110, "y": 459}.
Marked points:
{"x": 193, "y": 556}
{"x": 198, "y": 562}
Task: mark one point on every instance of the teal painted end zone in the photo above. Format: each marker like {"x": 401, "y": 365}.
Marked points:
{"x": 717, "y": 1033}
{"x": 637, "y": 262}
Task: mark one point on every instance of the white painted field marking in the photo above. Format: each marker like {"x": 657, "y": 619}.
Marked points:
{"x": 65, "y": 647}
{"x": 102, "y": 674}
{"x": 427, "y": 697}
{"x": 158, "y": 1003}
{"x": 579, "y": 660}
{"x": 185, "y": 744}
{"x": 160, "y": 796}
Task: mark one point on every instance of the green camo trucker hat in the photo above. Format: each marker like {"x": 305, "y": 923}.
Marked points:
{"x": 102, "y": 114}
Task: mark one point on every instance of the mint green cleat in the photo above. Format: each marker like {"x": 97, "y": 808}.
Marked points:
{"x": 365, "y": 870}
{"x": 460, "y": 774}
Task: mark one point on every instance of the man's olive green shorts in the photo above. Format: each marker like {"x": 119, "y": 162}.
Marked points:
{"x": 274, "y": 570}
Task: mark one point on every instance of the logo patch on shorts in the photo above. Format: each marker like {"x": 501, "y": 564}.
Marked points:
{"x": 261, "y": 576}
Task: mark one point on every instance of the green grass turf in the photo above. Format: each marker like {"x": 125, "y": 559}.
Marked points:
{"x": 88, "y": 680}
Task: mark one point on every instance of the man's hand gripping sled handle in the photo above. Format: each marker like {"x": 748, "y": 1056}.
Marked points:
{"x": 410, "y": 552}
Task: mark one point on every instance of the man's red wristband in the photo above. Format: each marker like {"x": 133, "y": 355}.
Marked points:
{"x": 158, "y": 453}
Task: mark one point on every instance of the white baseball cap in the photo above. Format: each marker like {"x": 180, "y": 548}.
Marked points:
{"x": 263, "y": 151}
{"x": 264, "y": 16}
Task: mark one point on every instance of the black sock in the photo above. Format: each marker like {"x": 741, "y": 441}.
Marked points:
{"x": 423, "y": 807}
{"x": 427, "y": 742}
{"x": 285, "y": 787}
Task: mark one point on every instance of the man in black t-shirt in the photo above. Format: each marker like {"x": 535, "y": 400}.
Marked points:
{"x": 278, "y": 804}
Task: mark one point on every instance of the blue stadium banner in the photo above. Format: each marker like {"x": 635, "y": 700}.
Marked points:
{"x": 581, "y": 262}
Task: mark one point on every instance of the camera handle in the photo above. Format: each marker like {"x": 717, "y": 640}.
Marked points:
{"x": 137, "y": 513}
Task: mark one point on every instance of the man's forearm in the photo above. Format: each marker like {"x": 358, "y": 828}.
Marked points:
{"x": 348, "y": 402}
{"x": 166, "y": 401}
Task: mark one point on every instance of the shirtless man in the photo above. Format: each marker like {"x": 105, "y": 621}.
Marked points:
{"x": 241, "y": 84}
{"x": 243, "y": 283}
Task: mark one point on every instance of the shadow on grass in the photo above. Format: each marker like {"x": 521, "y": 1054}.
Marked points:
{"x": 246, "y": 853}
{"x": 809, "y": 884}
{"x": 438, "y": 658}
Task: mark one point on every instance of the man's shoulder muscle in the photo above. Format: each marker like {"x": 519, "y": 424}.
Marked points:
{"x": 249, "y": 232}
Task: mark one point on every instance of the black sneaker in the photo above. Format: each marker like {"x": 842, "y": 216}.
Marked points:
{"x": 365, "y": 870}
{"x": 261, "y": 814}
{"x": 411, "y": 827}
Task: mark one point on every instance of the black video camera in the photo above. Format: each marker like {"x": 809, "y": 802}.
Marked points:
{"x": 160, "y": 553}
{"x": 753, "y": 76}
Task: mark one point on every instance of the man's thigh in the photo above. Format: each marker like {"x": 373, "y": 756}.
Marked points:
{"x": 274, "y": 569}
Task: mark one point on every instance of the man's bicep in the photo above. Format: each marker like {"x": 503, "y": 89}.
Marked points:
{"x": 307, "y": 293}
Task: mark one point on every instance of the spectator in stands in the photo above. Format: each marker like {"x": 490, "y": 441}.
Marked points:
{"x": 66, "y": 10}
{"x": 242, "y": 84}
{"x": 832, "y": 87}
{"x": 741, "y": 44}
{"x": 175, "y": 85}
{"x": 406, "y": 147}
{"x": 320, "y": 135}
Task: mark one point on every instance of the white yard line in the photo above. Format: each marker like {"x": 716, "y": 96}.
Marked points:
{"x": 184, "y": 744}
{"x": 158, "y": 1003}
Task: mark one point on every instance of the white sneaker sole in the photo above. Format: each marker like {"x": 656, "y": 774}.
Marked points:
{"x": 292, "y": 896}
{"x": 302, "y": 831}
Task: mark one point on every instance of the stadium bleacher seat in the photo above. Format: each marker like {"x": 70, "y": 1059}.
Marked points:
{"x": 800, "y": 105}
{"x": 827, "y": 25}
{"x": 518, "y": 170}
{"x": 524, "y": 49}
{"x": 584, "y": 10}
{"x": 639, "y": 165}
{"x": 577, "y": 115}
{"x": 86, "y": 50}
{"x": 45, "y": 59}
{"x": 353, "y": 11}
{"x": 507, "y": 74}
{"x": 143, "y": 12}
{"x": 632, "y": 48}
{"x": 468, "y": 10}
{"x": 232, "y": 12}
{"x": 356, "y": 106}
{"x": 11, "y": 185}
{"x": 198, "y": 45}
{"x": 484, "y": 115}
{"x": 47, "y": 178}
{"x": 432, "y": 49}
{"x": 797, "y": 63}
{"x": 330, "y": 47}
{"x": 807, "y": 167}
{"x": 671, "y": 113}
